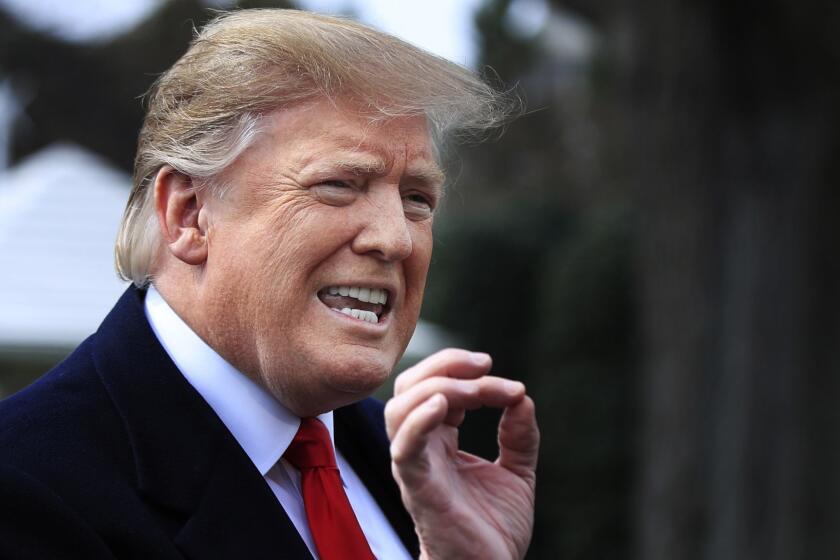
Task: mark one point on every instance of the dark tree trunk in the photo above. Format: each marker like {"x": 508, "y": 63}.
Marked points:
{"x": 732, "y": 142}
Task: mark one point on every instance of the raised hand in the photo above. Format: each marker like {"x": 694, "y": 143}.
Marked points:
{"x": 462, "y": 505}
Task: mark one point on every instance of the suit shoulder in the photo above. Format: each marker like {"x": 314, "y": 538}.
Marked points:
{"x": 62, "y": 391}
{"x": 62, "y": 421}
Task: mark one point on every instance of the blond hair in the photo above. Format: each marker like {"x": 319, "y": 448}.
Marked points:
{"x": 207, "y": 108}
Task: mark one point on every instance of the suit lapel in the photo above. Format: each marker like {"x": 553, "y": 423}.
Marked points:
{"x": 239, "y": 517}
{"x": 360, "y": 435}
{"x": 210, "y": 497}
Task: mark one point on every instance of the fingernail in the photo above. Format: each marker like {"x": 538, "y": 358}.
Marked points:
{"x": 479, "y": 358}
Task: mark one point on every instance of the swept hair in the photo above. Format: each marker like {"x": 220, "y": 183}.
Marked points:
{"x": 207, "y": 108}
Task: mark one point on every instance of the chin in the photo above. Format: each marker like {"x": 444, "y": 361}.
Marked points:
{"x": 359, "y": 377}
{"x": 322, "y": 381}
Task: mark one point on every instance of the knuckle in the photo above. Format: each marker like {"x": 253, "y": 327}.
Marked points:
{"x": 443, "y": 385}
{"x": 391, "y": 408}
{"x": 397, "y": 454}
{"x": 469, "y": 386}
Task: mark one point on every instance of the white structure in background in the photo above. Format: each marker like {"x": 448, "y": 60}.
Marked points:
{"x": 59, "y": 214}
{"x": 453, "y": 34}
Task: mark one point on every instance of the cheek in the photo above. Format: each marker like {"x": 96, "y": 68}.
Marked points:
{"x": 286, "y": 240}
{"x": 416, "y": 268}
{"x": 421, "y": 255}
{"x": 284, "y": 256}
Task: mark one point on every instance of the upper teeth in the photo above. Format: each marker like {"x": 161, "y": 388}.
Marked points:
{"x": 371, "y": 295}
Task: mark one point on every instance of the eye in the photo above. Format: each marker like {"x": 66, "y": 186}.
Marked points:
{"x": 418, "y": 206}
{"x": 335, "y": 192}
{"x": 337, "y": 183}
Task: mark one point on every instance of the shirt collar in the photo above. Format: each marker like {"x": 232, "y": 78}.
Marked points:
{"x": 263, "y": 427}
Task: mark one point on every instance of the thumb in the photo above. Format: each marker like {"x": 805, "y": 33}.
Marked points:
{"x": 519, "y": 438}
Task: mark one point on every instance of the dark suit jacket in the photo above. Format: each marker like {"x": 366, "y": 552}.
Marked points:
{"x": 113, "y": 454}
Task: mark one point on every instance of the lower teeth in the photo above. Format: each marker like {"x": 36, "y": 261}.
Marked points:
{"x": 361, "y": 314}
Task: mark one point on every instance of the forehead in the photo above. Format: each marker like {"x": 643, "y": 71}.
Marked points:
{"x": 339, "y": 131}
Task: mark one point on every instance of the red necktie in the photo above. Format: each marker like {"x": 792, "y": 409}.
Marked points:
{"x": 333, "y": 524}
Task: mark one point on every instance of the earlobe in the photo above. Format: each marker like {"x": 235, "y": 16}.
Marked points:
{"x": 179, "y": 212}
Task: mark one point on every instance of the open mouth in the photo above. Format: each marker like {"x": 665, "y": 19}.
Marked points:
{"x": 359, "y": 302}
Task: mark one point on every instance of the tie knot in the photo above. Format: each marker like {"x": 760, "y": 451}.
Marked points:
{"x": 311, "y": 447}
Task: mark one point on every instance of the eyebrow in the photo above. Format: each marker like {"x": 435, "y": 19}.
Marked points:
{"x": 360, "y": 165}
{"x": 428, "y": 173}
{"x": 364, "y": 164}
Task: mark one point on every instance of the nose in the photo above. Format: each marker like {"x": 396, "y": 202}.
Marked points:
{"x": 385, "y": 233}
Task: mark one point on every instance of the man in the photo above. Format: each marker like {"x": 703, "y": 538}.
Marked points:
{"x": 278, "y": 236}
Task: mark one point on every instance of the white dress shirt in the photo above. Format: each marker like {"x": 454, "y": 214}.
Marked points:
{"x": 264, "y": 428}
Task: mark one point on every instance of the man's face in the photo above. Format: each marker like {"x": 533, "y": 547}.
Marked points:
{"x": 325, "y": 211}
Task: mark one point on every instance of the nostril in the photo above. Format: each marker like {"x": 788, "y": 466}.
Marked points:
{"x": 387, "y": 239}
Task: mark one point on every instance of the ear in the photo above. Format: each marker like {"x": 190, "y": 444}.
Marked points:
{"x": 180, "y": 213}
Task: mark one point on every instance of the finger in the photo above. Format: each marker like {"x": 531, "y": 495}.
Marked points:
{"x": 452, "y": 362}
{"x": 519, "y": 438}
{"x": 461, "y": 394}
{"x": 411, "y": 440}
{"x": 455, "y": 417}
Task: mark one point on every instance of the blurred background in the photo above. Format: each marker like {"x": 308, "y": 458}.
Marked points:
{"x": 651, "y": 248}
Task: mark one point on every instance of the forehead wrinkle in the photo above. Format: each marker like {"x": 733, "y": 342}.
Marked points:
{"x": 360, "y": 142}
{"x": 358, "y": 151}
